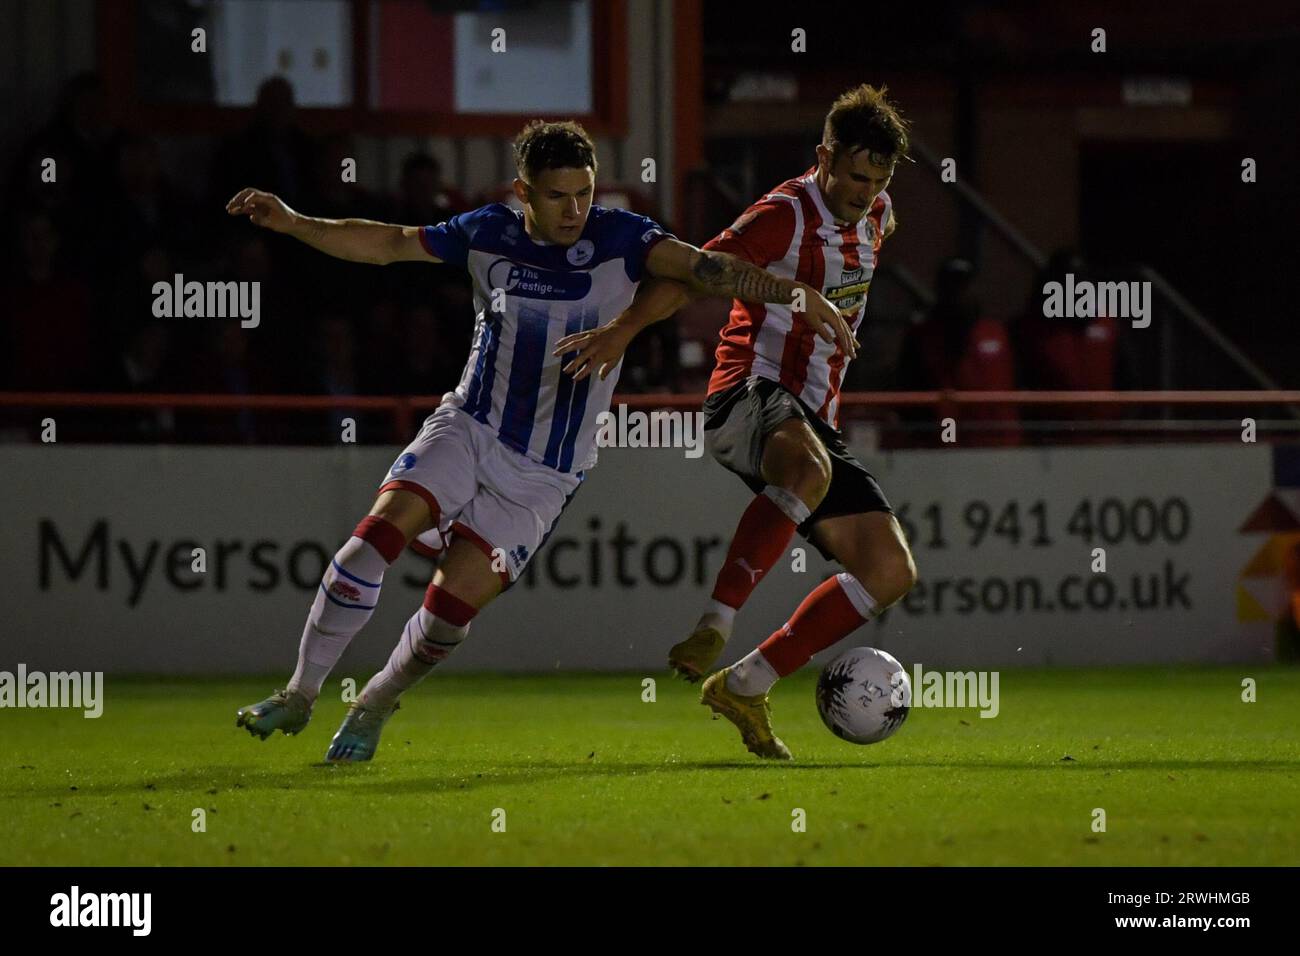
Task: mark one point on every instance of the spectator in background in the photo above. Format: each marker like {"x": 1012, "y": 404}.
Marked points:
{"x": 1068, "y": 354}
{"x": 129, "y": 301}
{"x": 423, "y": 199}
{"x": 382, "y": 348}
{"x": 328, "y": 191}
{"x": 77, "y": 139}
{"x": 272, "y": 153}
{"x": 431, "y": 363}
{"x": 956, "y": 347}
{"x": 220, "y": 363}
{"x": 142, "y": 211}
{"x": 281, "y": 350}
{"x": 49, "y": 335}
{"x": 281, "y": 355}
{"x": 142, "y": 367}
{"x": 346, "y": 288}
{"x": 337, "y": 369}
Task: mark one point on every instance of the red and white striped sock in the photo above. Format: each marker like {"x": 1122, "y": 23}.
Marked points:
{"x": 836, "y": 608}
{"x": 345, "y": 600}
{"x": 434, "y": 631}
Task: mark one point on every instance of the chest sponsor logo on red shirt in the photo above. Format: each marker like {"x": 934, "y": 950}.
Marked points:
{"x": 851, "y": 291}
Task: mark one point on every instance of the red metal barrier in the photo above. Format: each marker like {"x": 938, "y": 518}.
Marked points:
{"x": 403, "y": 408}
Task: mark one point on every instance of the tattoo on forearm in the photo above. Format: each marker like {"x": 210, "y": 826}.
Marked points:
{"x": 756, "y": 285}
{"x": 727, "y": 275}
{"x": 709, "y": 270}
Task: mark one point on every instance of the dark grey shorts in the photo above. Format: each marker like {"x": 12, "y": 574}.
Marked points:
{"x": 737, "y": 422}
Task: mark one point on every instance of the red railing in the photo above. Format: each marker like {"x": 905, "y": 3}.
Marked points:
{"x": 403, "y": 408}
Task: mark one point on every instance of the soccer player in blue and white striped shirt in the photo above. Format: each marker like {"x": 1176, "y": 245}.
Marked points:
{"x": 490, "y": 471}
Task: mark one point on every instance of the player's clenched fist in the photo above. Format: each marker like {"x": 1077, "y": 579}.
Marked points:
{"x": 263, "y": 209}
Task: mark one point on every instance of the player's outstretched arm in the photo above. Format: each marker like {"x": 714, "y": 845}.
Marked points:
{"x": 357, "y": 240}
{"x": 600, "y": 349}
{"x": 710, "y": 272}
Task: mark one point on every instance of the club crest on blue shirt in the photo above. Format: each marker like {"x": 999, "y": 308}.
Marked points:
{"x": 580, "y": 252}
{"x": 405, "y": 463}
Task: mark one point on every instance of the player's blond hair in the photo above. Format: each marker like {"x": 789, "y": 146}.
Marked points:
{"x": 864, "y": 118}
{"x": 541, "y": 145}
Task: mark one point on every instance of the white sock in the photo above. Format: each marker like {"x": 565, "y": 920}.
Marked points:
{"x": 751, "y": 675}
{"x": 862, "y": 602}
{"x": 791, "y": 505}
{"x": 425, "y": 642}
{"x": 718, "y": 616}
{"x": 344, "y": 602}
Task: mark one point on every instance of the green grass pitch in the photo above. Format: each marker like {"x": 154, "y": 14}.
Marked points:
{"x": 588, "y": 773}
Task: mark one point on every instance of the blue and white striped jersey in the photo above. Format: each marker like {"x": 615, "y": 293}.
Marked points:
{"x": 512, "y": 383}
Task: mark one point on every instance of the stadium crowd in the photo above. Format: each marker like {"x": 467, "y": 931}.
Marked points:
{"x": 86, "y": 250}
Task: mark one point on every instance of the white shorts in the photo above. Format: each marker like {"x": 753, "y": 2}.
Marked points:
{"x": 500, "y": 500}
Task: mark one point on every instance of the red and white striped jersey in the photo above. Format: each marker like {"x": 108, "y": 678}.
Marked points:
{"x": 792, "y": 234}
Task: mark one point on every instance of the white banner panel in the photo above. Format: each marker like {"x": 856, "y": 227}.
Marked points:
{"x": 98, "y": 546}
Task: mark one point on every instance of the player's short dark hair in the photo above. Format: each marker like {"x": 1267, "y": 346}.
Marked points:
{"x": 542, "y": 145}
{"x": 864, "y": 118}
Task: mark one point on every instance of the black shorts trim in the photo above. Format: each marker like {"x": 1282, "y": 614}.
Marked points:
{"x": 736, "y": 425}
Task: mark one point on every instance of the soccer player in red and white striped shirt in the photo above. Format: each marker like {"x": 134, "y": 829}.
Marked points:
{"x": 773, "y": 415}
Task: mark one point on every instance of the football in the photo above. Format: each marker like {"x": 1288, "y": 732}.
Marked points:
{"x": 864, "y": 695}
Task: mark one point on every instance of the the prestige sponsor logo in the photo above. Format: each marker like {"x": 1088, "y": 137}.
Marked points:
{"x": 529, "y": 282}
